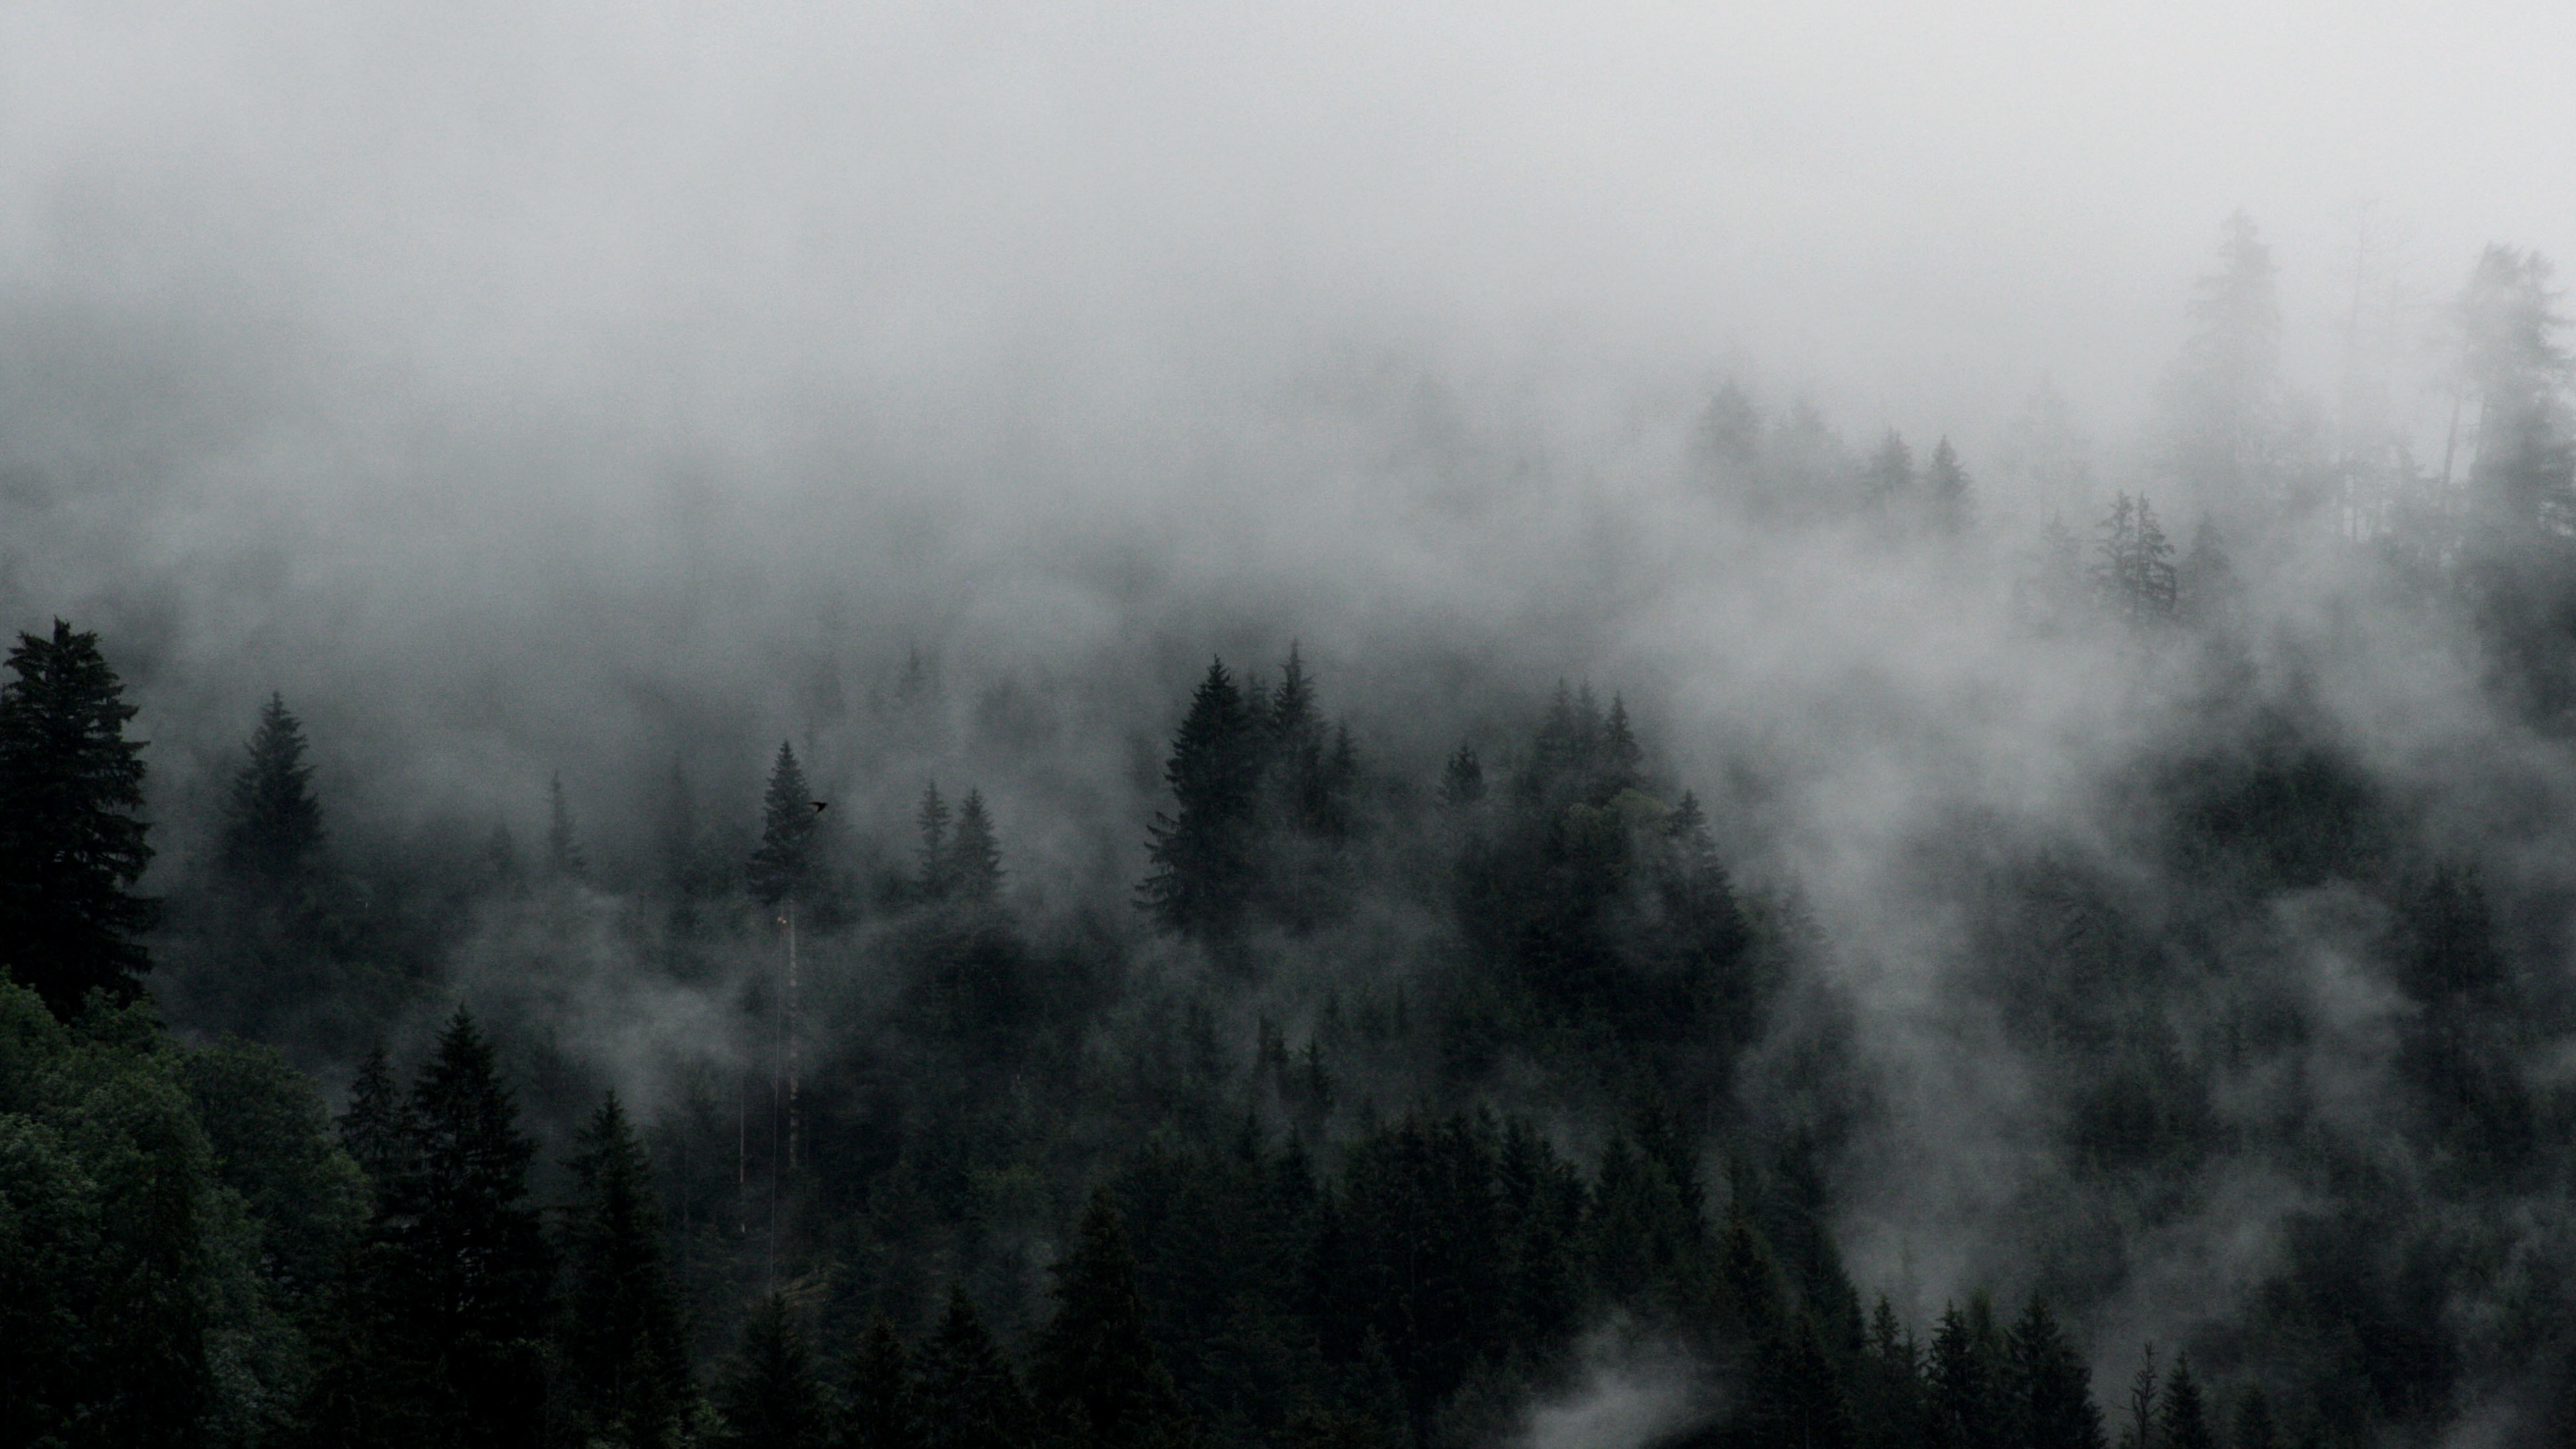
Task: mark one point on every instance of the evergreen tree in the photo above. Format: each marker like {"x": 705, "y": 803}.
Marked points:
{"x": 974, "y": 862}
{"x": 272, "y": 829}
{"x": 970, "y": 1399}
{"x": 1623, "y": 760}
{"x": 1966, "y": 1399}
{"x": 784, "y": 867}
{"x": 881, "y": 1408}
{"x": 1887, "y": 480}
{"x": 71, "y": 838}
{"x": 467, "y": 1277}
{"x": 2523, "y": 474}
{"x": 375, "y": 1128}
{"x": 564, "y": 858}
{"x": 2133, "y": 572}
{"x": 1202, "y": 853}
{"x": 625, "y": 1362}
{"x": 1948, "y": 494}
{"x": 2224, "y": 411}
{"x": 932, "y": 820}
{"x": 1096, "y": 1373}
{"x": 2052, "y": 1390}
{"x": 2183, "y": 1422}
{"x": 768, "y": 1395}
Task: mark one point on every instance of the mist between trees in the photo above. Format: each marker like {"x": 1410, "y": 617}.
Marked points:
{"x": 1706, "y": 934}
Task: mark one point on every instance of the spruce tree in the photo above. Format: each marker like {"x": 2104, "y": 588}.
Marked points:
{"x": 1961, "y": 1374}
{"x": 2183, "y": 1422}
{"x": 1202, "y": 852}
{"x": 768, "y": 1395}
{"x": 1948, "y": 494}
{"x": 71, "y": 836}
{"x": 1887, "y": 482}
{"x": 974, "y": 861}
{"x": 784, "y": 866}
{"x": 272, "y": 830}
{"x": 2052, "y": 1390}
{"x": 1622, "y": 758}
{"x": 468, "y": 1274}
{"x": 970, "y": 1399}
{"x": 932, "y": 820}
{"x": 625, "y": 1362}
{"x": 881, "y": 1407}
{"x": 1096, "y": 1375}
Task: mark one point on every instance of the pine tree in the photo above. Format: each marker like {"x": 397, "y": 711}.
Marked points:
{"x": 2523, "y": 476}
{"x": 2183, "y": 1422}
{"x": 2052, "y": 1392}
{"x": 1096, "y": 1374}
{"x": 2254, "y": 1428}
{"x": 1887, "y": 481}
{"x": 932, "y": 820}
{"x": 564, "y": 858}
{"x": 468, "y": 1273}
{"x": 1961, "y": 1376}
{"x": 784, "y": 867}
{"x": 1202, "y": 853}
{"x": 970, "y": 1399}
{"x": 881, "y": 1407}
{"x": 71, "y": 838}
{"x": 626, "y": 1364}
{"x": 1948, "y": 494}
{"x": 1623, "y": 760}
{"x": 974, "y": 862}
{"x": 768, "y": 1395}
{"x": 375, "y": 1129}
{"x": 2224, "y": 410}
{"x": 272, "y": 830}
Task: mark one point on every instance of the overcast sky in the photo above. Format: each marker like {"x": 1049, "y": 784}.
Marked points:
{"x": 696, "y": 212}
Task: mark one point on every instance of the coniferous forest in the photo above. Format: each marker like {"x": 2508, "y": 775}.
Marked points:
{"x": 583, "y": 866}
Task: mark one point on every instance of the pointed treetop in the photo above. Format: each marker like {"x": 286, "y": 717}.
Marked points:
{"x": 784, "y": 866}
{"x": 974, "y": 861}
{"x": 272, "y": 825}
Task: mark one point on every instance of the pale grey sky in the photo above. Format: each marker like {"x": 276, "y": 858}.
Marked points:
{"x": 1915, "y": 209}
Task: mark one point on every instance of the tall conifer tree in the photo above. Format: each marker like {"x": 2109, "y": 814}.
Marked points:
{"x": 1096, "y": 1374}
{"x": 626, "y": 1364}
{"x": 71, "y": 831}
{"x": 272, "y": 832}
{"x": 768, "y": 1395}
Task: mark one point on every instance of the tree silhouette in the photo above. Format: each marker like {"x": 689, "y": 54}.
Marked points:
{"x": 71, "y": 836}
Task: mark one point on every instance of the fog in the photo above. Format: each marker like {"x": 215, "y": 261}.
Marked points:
{"x": 596, "y": 391}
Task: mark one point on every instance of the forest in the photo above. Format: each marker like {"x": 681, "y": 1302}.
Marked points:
{"x": 1424, "y": 1048}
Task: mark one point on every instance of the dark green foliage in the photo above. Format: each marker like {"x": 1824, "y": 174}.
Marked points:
{"x": 106, "y": 1270}
{"x": 1096, "y": 1378}
{"x": 71, "y": 835}
{"x": 272, "y": 831}
{"x": 625, "y": 1364}
{"x": 2182, "y": 1422}
{"x": 970, "y": 1397}
{"x": 440, "y": 1332}
{"x": 768, "y": 1395}
{"x": 785, "y": 866}
{"x": 1202, "y": 851}
{"x": 271, "y": 1141}
{"x": 2051, "y": 1393}
{"x": 880, "y": 1408}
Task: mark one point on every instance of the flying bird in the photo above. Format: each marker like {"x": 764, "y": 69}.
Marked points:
{"x": 819, "y": 806}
